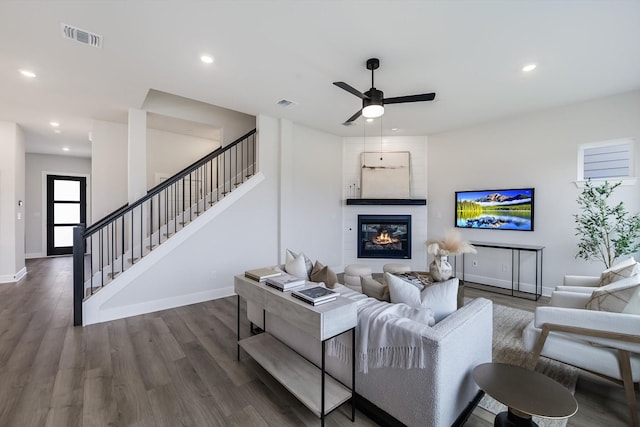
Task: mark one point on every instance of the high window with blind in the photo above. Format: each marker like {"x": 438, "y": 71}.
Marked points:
{"x": 607, "y": 159}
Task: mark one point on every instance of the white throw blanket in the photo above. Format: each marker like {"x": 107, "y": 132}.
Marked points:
{"x": 386, "y": 335}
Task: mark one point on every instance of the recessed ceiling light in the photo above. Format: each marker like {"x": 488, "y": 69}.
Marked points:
{"x": 206, "y": 59}
{"x": 529, "y": 67}
{"x": 28, "y": 73}
{"x": 394, "y": 129}
{"x": 65, "y": 148}
{"x": 369, "y": 120}
{"x": 54, "y": 124}
{"x": 57, "y": 131}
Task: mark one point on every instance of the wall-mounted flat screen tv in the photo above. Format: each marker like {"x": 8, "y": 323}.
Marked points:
{"x": 510, "y": 209}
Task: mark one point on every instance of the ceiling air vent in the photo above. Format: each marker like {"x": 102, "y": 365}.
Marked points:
{"x": 81, "y": 36}
{"x": 284, "y": 103}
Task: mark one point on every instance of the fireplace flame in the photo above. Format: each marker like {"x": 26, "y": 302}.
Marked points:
{"x": 384, "y": 239}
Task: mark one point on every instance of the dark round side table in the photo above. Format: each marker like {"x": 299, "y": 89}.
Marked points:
{"x": 525, "y": 392}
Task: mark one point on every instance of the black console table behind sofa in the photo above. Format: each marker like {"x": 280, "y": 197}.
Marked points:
{"x": 515, "y": 278}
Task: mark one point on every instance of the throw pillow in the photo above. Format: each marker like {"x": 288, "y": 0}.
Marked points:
{"x": 617, "y": 297}
{"x": 296, "y": 267}
{"x": 440, "y": 297}
{"x": 322, "y": 273}
{"x": 622, "y": 270}
{"x": 374, "y": 289}
{"x": 307, "y": 262}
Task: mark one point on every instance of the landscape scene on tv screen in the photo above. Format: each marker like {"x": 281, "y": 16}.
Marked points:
{"x": 495, "y": 209}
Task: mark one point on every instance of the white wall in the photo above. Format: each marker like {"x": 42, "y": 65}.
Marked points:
{"x": 35, "y": 208}
{"x": 12, "y": 191}
{"x": 537, "y": 150}
{"x": 311, "y": 218}
{"x": 353, "y": 147}
{"x": 243, "y": 236}
{"x": 168, "y": 153}
{"x": 109, "y": 183}
{"x": 232, "y": 123}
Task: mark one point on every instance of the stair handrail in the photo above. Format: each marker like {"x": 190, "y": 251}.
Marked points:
{"x": 153, "y": 191}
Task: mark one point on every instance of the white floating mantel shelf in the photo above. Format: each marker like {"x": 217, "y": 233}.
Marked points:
{"x": 396, "y": 202}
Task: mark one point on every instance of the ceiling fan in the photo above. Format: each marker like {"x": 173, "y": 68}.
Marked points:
{"x": 373, "y": 100}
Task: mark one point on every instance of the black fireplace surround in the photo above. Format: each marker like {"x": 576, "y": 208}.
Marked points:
{"x": 384, "y": 236}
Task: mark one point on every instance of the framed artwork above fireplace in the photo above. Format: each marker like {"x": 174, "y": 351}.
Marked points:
{"x": 386, "y": 175}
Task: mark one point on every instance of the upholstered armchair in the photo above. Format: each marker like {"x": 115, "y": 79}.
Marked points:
{"x": 595, "y": 328}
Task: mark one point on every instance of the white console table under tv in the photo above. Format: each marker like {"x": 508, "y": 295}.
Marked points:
{"x": 311, "y": 385}
{"x": 515, "y": 277}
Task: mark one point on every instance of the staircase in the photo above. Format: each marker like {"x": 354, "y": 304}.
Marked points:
{"x": 107, "y": 249}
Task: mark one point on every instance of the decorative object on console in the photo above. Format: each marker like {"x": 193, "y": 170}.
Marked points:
{"x": 451, "y": 244}
{"x": 510, "y": 209}
{"x": 261, "y": 274}
{"x": 606, "y": 232}
{"x": 298, "y": 265}
{"x": 315, "y": 295}
{"x": 285, "y": 282}
{"x": 440, "y": 297}
{"x": 322, "y": 273}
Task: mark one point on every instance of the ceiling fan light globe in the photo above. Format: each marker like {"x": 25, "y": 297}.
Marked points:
{"x": 372, "y": 111}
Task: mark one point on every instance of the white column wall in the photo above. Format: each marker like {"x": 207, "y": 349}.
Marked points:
{"x": 137, "y": 154}
{"x": 12, "y": 191}
{"x": 311, "y": 217}
{"x": 109, "y": 168}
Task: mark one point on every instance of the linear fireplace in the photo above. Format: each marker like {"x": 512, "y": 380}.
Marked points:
{"x": 384, "y": 236}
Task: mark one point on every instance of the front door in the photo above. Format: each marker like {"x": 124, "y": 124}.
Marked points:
{"x": 66, "y": 208}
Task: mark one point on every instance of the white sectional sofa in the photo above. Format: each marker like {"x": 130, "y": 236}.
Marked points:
{"x": 434, "y": 396}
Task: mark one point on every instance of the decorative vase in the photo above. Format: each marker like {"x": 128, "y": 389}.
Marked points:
{"x": 440, "y": 269}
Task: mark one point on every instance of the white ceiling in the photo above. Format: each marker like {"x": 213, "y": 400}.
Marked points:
{"x": 469, "y": 52}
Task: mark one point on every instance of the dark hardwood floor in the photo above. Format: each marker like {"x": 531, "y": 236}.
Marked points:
{"x": 169, "y": 368}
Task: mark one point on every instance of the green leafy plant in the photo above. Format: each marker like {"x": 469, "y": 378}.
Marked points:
{"x": 606, "y": 232}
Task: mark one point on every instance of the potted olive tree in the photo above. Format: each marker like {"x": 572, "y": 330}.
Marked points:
{"x": 606, "y": 232}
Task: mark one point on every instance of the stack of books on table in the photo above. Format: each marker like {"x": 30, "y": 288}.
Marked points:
{"x": 285, "y": 282}
{"x": 261, "y": 274}
{"x": 315, "y": 295}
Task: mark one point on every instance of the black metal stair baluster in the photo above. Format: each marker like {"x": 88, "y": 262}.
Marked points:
{"x": 100, "y": 265}
{"x": 91, "y": 265}
{"x": 133, "y": 258}
{"x": 113, "y": 254}
{"x": 141, "y": 231}
{"x": 122, "y": 246}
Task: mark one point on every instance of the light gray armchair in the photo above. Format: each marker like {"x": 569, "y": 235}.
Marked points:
{"x": 601, "y": 342}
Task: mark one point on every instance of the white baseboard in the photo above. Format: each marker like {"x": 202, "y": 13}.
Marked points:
{"x": 105, "y": 315}
{"x": 34, "y": 255}
{"x": 11, "y": 278}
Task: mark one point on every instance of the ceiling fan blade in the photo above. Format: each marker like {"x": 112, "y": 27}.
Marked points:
{"x": 343, "y": 85}
{"x": 352, "y": 118}
{"x": 410, "y": 98}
